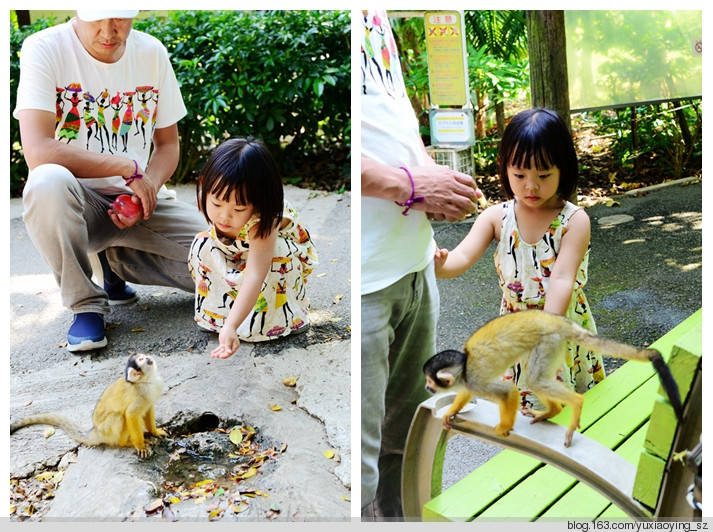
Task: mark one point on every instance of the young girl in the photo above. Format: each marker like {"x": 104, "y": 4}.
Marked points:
{"x": 543, "y": 240}
{"x": 251, "y": 265}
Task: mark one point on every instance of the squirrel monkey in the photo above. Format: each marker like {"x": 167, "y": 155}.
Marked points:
{"x": 122, "y": 414}
{"x": 538, "y": 340}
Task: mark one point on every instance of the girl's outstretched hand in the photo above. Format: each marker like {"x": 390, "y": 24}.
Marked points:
{"x": 439, "y": 259}
{"x": 229, "y": 343}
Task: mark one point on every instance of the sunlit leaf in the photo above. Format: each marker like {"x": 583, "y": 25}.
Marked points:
{"x": 274, "y": 407}
{"x": 247, "y": 474}
{"x": 329, "y": 454}
{"x": 236, "y": 436}
{"x": 290, "y": 381}
{"x": 153, "y": 506}
{"x": 48, "y": 432}
{"x": 240, "y": 507}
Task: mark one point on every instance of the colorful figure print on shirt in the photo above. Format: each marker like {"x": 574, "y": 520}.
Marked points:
{"x": 378, "y": 66}
{"x": 72, "y": 121}
{"x": 143, "y": 115}
{"x": 85, "y": 119}
{"x": 103, "y": 103}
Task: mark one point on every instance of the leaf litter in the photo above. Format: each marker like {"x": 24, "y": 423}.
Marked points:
{"x": 225, "y": 494}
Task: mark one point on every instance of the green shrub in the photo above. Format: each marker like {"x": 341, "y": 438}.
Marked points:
{"x": 18, "y": 167}
{"x": 281, "y": 76}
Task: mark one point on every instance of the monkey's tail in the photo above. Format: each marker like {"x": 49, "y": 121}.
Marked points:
{"x": 667, "y": 382}
{"x": 629, "y": 352}
{"x": 71, "y": 429}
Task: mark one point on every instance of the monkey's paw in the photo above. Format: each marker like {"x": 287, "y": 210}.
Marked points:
{"x": 568, "y": 438}
{"x": 160, "y": 433}
{"x": 144, "y": 453}
{"x": 447, "y": 421}
{"x": 501, "y": 430}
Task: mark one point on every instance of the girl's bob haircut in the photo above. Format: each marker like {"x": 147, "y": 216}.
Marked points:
{"x": 539, "y": 135}
{"x": 242, "y": 169}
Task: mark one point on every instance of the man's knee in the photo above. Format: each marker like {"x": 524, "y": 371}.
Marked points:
{"x": 49, "y": 187}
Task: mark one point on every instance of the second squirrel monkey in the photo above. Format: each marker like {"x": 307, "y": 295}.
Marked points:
{"x": 123, "y": 412}
{"x": 538, "y": 340}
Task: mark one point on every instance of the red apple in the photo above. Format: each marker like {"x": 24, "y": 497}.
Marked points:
{"x": 124, "y": 206}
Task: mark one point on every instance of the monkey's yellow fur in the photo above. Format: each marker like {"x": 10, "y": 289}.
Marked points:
{"x": 538, "y": 340}
{"x": 122, "y": 414}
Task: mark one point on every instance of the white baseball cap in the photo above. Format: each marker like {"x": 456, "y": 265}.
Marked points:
{"x": 91, "y": 16}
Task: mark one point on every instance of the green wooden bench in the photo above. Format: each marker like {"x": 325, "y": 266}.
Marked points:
{"x": 619, "y": 466}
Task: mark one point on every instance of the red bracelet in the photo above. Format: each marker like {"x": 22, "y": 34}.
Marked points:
{"x": 413, "y": 199}
{"x": 135, "y": 175}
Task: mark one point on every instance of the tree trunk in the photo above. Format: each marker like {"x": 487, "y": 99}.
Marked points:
{"x": 549, "y": 86}
{"x": 500, "y": 118}
{"x": 23, "y": 17}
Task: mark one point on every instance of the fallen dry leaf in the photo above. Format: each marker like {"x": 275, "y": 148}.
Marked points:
{"x": 290, "y": 381}
{"x": 329, "y": 454}
{"x": 154, "y": 506}
{"x": 274, "y": 407}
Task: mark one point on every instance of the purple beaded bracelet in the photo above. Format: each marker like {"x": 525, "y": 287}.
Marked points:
{"x": 413, "y": 199}
{"x": 135, "y": 175}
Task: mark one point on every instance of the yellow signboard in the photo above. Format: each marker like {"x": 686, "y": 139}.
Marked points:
{"x": 445, "y": 45}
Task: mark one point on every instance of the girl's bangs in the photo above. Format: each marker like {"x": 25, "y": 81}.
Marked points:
{"x": 525, "y": 151}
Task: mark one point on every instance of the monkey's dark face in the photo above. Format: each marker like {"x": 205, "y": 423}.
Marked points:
{"x": 432, "y": 386}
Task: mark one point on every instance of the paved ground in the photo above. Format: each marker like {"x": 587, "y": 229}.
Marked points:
{"x": 645, "y": 277}
{"x": 114, "y": 485}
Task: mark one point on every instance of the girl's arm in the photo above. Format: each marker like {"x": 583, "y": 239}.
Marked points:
{"x": 574, "y": 246}
{"x": 258, "y": 265}
{"x": 485, "y": 229}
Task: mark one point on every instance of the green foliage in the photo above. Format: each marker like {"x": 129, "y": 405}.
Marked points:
{"x": 18, "y": 168}
{"x": 281, "y": 76}
{"x": 500, "y": 79}
{"x": 666, "y": 136}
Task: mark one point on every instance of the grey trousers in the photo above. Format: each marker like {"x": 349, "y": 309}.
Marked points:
{"x": 68, "y": 221}
{"x": 398, "y": 336}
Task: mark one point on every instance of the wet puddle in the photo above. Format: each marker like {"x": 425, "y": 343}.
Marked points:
{"x": 208, "y": 458}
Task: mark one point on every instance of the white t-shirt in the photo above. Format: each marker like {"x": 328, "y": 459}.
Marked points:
{"x": 392, "y": 245}
{"x": 103, "y": 107}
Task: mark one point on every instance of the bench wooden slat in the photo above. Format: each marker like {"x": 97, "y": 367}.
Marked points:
{"x": 521, "y": 502}
{"x": 584, "y": 503}
{"x": 685, "y": 362}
